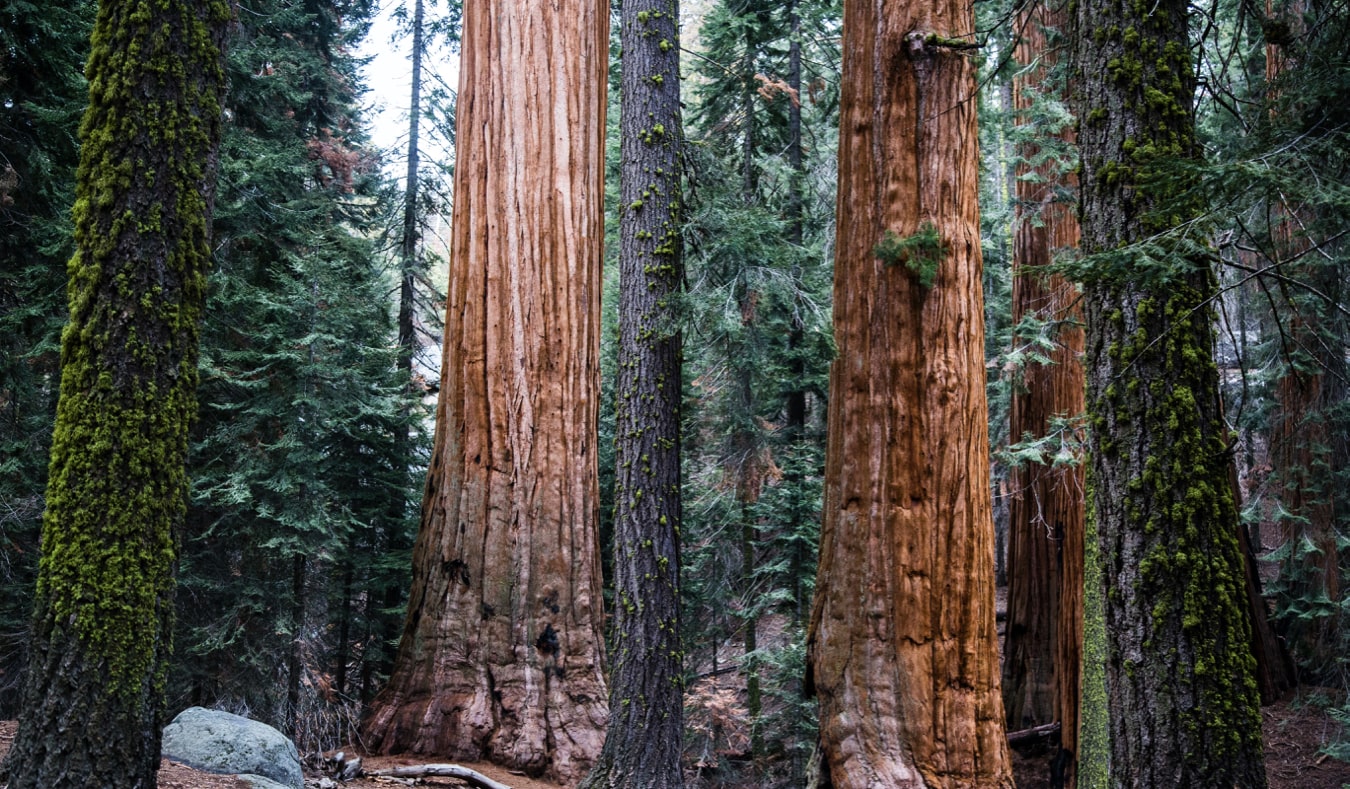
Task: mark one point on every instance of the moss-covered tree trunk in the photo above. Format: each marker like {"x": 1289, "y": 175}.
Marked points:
{"x": 902, "y": 644}
{"x": 502, "y": 650}
{"x": 1042, "y": 652}
{"x": 93, "y": 699}
{"x": 1092, "y": 761}
{"x": 1179, "y": 669}
{"x": 643, "y": 746}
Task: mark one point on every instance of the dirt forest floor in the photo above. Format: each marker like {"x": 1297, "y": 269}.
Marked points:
{"x": 1295, "y": 732}
{"x": 173, "y": 775}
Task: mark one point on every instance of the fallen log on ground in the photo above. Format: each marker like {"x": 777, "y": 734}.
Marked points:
{"x": 439, "y": 770}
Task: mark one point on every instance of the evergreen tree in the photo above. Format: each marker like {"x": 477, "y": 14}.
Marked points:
{"x": 1183, "y": 700}
{"x": 418, "y": 325}
{"x": 501, "y": 654}
{"x": 759, "y": 346}
{"x": 1274, "y": 116}
{"x": 94, "y": 695}
{"x": 1308, "y": 447}
{"x": 42, "y": 95}
{"x": 303, "y": 454}
{"x": 902, "y": 642}
{"x": 1045, "y": 573}
{"x": 643, "y": 742}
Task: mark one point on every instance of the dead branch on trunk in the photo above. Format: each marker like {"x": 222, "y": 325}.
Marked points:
{"x": 1024, "y": 736}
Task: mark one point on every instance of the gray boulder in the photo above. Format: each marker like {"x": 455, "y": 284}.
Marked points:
{"x": 259, "y": 782}
{"x": 220, "y": 742}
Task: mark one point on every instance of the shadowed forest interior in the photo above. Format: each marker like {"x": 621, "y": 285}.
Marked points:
{"x": 720, "y": 394}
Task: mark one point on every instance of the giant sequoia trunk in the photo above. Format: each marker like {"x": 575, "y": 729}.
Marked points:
{"x": 1184, "y": 706}
{"x": 93, "y": 699}
{"x": 1042, "y": 652}
{"x": 902, "y": 645}
{"x": 1308, "y": 446}
{"x": 642, "y": 750}
{"x": 502, "y": 654}
{"x": 1310, "y": 453}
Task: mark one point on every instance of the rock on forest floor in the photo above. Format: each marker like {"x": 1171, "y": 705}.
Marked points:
{"x": 1295, "y": 733}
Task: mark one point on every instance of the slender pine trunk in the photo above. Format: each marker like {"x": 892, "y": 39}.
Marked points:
{"x": 643, "y": 746}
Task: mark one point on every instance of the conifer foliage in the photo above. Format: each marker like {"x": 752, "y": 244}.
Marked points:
{"x": 306, "y": 448}
{"x": 302, "y": 463}
{"x": 42, "y": 96}
{"x": 707, "y": 413}
{"x": 760, "y": 218}
{"x": 1045, "y": 550}
{"x": 1274, "y": 120}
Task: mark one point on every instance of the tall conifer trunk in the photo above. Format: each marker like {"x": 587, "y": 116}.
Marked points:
{"x": 902, "y": 645}
{"x": 411, "y": 237}
{"x": 745, "y": 439}
{"x": 408, "y": 346}
{"x": 1308, "y": 450}
{"x": 93, "y": 701}
{"x": 1045, "y": 554}
{"x": 502, "y": 653}
{"x": 1179, "y": 669}
{"x": 644, "y": 742}
{"x": 794, "y": 405}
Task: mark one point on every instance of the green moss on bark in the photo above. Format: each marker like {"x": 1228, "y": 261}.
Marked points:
{"x": 117, "y": 487}
{"x": 1179, "y": 665}
{"x": 1094, "y": 746}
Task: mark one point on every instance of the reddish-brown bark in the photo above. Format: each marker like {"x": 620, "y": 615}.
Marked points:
{"x": 502, "y": 653}
{"x": 1043, "y": 648}
{"x": 1307, "y": 450}
{"x": 902, "y": 645}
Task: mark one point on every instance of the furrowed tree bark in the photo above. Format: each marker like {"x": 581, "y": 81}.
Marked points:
{"x": 1042, "y": 652}
{"x": 902, "y": 646}
{"x": 93, "y": 701}
{"x": 502, "y": 654}
{"x": 1179, "y": 669}
{"x": 643, "y": 746}
{"x": 1309, "y": 450}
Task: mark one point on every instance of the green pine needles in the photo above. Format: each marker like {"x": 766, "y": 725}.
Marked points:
{"x": 921, "y": 253}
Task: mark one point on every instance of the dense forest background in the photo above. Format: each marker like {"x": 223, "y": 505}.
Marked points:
{"x": 320, "y": 360}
